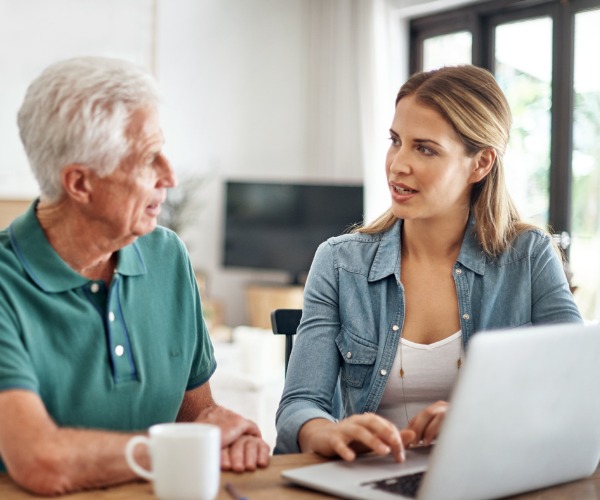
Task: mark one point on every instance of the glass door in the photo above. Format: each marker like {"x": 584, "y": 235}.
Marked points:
{"x": 585, "y": 166}
{"x": 524, "y": 72}
{"x": 447, "y": 50}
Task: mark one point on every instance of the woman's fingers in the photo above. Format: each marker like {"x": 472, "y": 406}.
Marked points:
{"x": 407, "y": 436}
{"x": 426, "y": 425}
{"x": 356, "y": 434}
{"x": 433, "y": 429}
{"x": 366, "y": 432}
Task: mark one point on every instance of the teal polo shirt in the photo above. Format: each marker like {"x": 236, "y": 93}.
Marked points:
{"x": 119, "y": 357}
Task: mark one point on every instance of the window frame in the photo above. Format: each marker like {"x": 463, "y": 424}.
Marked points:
{"x": 481, "y": 19}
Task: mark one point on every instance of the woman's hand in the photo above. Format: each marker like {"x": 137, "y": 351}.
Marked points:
{"x": 356, "y": 434}
{"x": 426, "y": 424}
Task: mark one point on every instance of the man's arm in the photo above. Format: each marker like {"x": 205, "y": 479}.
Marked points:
{"x": 49, "y": 460}
{"x": 242, "y": 445}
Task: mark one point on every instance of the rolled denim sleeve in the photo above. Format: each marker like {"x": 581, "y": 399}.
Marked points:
{"x": 551, "y": 298}
{"x": 315, "y": 361}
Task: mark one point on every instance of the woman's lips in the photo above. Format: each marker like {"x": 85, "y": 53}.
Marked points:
{"x": 403, "y": 190}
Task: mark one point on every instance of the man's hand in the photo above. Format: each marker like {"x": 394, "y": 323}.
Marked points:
{"x": 232, "y": 425}
{"x": 245, "y": 454}
{"x": 242, "y": 447}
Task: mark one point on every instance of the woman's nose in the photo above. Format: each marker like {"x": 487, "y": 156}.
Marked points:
{"x": 398, "y": 160}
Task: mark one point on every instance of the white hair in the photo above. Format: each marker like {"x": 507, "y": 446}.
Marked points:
{"x": 78, "y": 111}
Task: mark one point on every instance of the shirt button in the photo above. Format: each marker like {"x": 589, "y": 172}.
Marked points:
{"x": 94, "y": 288}
{"x": 383, "y": 373}
{"x": 348, "y": 355}
{"x": 395, "y": 328}
{"x": 111, "y": 316}
{"x": 459, "y": 271}
{"x": 466, "y": 316}
{"x": 119, "y": 350}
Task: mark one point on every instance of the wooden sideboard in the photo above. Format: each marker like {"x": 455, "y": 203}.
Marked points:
{"x": 9, "y": 209}
{"x": 262, "y": 299}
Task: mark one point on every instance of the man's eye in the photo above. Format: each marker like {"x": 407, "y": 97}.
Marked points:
{"x": 395, "y": 141}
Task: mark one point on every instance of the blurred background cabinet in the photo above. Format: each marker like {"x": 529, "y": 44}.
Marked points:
{"x": 9, "y": 209}
{"x": 262, "y": 299}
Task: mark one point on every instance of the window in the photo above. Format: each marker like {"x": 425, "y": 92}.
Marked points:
{"x": 542, "y": 53}
{"x": 447, "y": 50}
{"x": 524, "y": 71}
{"x": 585, "y": 163}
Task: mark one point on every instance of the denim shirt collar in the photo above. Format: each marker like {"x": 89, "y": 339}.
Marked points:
{"x": 471, "y": 253}
{"x": 388, "y": 256}
{"x": 46, "y": 268}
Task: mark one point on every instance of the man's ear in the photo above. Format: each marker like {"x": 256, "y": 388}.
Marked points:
{"x": 484, "y": 161}
{"x": 76, "y": 183}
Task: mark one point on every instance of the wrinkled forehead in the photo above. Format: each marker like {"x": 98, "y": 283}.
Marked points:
{"x": 144, "y": 122}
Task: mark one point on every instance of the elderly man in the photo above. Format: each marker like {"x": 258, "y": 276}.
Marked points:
{"x": 101, "y": 329}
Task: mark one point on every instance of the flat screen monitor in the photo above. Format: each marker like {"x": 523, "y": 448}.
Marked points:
{"x": 278, "y": 226}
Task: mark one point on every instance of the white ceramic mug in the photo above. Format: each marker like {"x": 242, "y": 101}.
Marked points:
{"x": 185, "y": 458}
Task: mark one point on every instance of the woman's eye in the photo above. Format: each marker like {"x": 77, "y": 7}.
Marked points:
{"x": 426, "y": 151}
{"x": 395, "y": 141}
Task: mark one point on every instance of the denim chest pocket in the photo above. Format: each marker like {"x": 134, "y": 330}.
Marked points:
{"x": 358, "y": 358}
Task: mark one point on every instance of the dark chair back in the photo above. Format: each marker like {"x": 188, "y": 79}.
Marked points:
{"x": 285, "y": 322}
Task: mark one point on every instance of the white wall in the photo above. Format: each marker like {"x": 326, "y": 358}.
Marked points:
{"x": 233, "y": 76}
{"x": 238, "y": 78}
{"x": 36, "y": 33}
{"x": 247, "y": 85}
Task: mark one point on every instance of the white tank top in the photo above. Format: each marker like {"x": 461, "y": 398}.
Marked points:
{"x": 430, "y": 372}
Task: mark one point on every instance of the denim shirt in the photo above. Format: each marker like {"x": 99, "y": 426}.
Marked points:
{"x": 354, "y": 313}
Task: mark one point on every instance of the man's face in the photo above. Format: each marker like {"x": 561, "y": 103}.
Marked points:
{"x": 127, "y": 202}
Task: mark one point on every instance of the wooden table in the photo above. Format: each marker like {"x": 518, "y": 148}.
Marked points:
{"x": 267, "y": 484}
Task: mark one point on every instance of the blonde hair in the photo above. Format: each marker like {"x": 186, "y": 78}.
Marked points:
{"x": 470, "y": 99}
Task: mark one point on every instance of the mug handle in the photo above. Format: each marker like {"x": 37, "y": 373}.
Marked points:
{"x": 129, "y": 449}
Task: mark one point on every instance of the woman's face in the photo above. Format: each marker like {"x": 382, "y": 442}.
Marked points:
{"x": 430, "y": 174}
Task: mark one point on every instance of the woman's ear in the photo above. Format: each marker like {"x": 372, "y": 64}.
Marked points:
{"x": 484, "y": 161}
{"x": 75, "y": 180}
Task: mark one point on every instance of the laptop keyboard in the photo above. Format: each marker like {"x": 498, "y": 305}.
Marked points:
{"x": 406, "y": 485}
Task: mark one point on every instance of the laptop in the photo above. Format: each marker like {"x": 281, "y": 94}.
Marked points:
{"x": 524, "y": 415}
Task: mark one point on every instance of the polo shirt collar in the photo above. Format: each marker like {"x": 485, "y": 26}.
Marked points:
{"x": 46, "y": 268}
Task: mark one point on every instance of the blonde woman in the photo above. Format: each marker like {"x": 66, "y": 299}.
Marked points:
{"x": 390, "y": 308}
